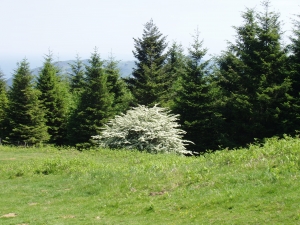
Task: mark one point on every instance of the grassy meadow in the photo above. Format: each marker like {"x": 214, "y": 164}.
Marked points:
{"x": 258, "y": 185}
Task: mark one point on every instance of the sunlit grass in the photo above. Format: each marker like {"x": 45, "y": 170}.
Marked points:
{"x": 258, "y": 185}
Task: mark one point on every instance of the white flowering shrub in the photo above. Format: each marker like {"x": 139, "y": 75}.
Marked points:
{"x": 154, "y": 130}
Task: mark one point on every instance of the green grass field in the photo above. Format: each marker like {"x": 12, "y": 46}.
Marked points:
{"x": 258, "y": 185}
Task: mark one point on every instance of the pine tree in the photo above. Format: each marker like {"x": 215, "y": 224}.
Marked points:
{"x": 196, "y": 101}
{"x": 76, "y": 82}
{"x": 117, "y": 86}
{"x": 77, "y": 76}
{"x": 95, "y": 105}
{"x": 3, "y": 105}
{"x": 54, "y": 100}
{"x": 175, "y": 67}
{"x": 26, "y": 115}
{"x": 293, "y": 123}
{"x": 273, "y": 96}
{"x": 239, "y": 82}
{"x": 147, "y": 83}
{"x": 253, "y": 78}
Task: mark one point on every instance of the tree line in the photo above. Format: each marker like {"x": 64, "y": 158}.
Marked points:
{"x": 249, "y": 92}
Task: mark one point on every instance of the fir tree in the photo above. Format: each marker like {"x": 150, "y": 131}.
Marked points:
{"x": 293, "y": 123}
{"x": 196, "y": 101}
{"x": 53, "y": 97}
{"x": 3, "y": 105}
{"x": 175, "y": 68}
{"x": 95, "y": 105}
{"x": 273, "y": 96}
{"x": 76, "y": 82}
{"x": 254, "y": 80}
{"x": 26, "y": 115}
{"x": 148, "y": 78}
{"x": 117, "y": 86}
{"x": 77, "y": 76}
{"x": 239, "y": 81}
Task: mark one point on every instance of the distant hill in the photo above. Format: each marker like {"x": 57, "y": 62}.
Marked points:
{"x": 124, "y": 66}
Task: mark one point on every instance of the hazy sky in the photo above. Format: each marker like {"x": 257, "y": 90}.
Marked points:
{"x": 30, "y": 28}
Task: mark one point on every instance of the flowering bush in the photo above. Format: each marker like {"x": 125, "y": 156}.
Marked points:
{"x": 154, "y": 130}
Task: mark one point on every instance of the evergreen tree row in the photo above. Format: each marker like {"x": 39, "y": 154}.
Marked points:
{"x": 58, "y": 109}
{"x": 250, "y": 91}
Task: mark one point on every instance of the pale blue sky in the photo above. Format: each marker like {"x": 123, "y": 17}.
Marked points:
{"x": 29, "y": 28}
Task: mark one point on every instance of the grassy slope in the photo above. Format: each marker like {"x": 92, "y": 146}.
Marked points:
{"x": 253, "y": 186}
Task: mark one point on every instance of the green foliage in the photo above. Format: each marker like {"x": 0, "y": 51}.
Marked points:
{"x": 54, "y": 97}
{"x": 117, "y": 86}
{"x": 293, "y": 122}
{"x": 152, "y": 130}
{"x": 3, "y": 105}
{"x": 197, "y": 102}
{"x": 77, "y": 82}
{"x": 148, "y": 82}
{"x": 252, "y": 92}
{"x": 175, "y": 67}
{"x": 26, "y": 114}
{"x": 77, "y": 76}
{"x": 254, "y": 80}
{"x": 95, "y": 104}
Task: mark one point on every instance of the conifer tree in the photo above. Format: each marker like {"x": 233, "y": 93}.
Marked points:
{"x": 147, "y": 83}
{"x": 54, "y": 100}
{"x": 253, "y": 78}
{"x": 3, "y": 105}
{"x": 26, "y": 115}
{"x": 294, "y": 120}
{"x": 95, "y": 105}
{"x": 273, "y": 93}
{"x": 77, "y": 76}
{"x": 117, "y": 86}
{"x": 196, "y": 101}
{"x": 239, "y": 81}
{"x": 76, "y": 82}
{"x": 175, "y": 67}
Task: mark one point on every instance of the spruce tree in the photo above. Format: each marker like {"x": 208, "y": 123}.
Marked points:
{"x": 175, "y": 67}
{"x": 117, "y": 86}
{"x": 95, "y": 104}
{"x": 26, "y": 114}
{"x": 76, "y": 83}
{"x": 54, "y": 100}
{"x": 3, "y": 105}
{"x": 77, "y": 76}
{"x": 293, "y": 123}
{"x": 148, "y": 81}
{"x": 253, "y": 78}
{"x": 196, "y": 101}
{"x": 239, "y": 81}
{"x": 273, "y": 96}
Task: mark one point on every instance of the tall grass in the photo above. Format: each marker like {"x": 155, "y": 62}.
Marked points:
{"x": 258, "y": 185}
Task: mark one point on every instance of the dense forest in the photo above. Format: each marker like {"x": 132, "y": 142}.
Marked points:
{"x": 247, "y": 93}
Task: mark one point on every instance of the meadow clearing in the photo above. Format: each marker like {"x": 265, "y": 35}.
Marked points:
{"x": 48, "y": 185}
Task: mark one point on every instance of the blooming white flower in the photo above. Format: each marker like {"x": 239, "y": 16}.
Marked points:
{"x": 153, "y": 130}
